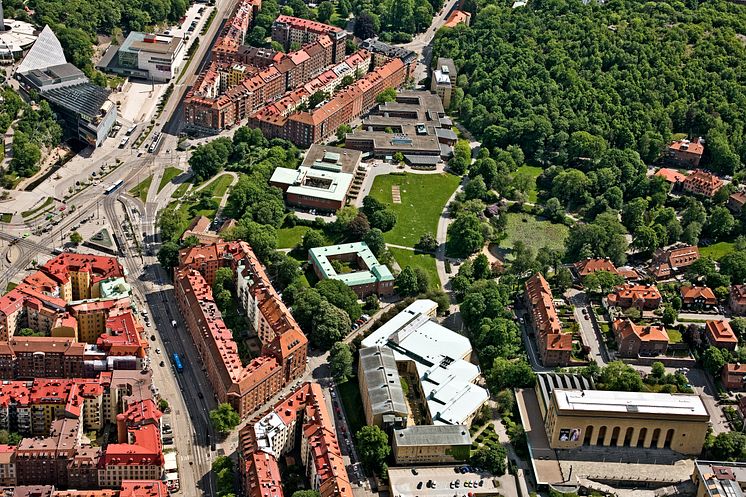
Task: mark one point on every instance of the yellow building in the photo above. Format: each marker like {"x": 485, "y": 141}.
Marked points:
{"x": 430, "y": 444}
{"x": 626, "y": 419}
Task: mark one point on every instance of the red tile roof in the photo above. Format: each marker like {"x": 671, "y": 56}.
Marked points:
{"x": 625, "y": 328}
{"x": 671, "y": 175}
{"x": 690, "y": 293}
{"x": 143, "y": 488}
{"x": 720, "y": 332}
{"x": 589, "y": 265}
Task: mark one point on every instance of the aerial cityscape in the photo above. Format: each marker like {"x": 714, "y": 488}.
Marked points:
{"x": 342, "y": 248}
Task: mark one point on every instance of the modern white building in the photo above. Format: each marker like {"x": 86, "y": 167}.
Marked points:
{"x": 439, "y": 357}
{"x": 145, "y": 55}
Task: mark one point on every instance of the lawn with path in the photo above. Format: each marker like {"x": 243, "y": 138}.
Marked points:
{"x": 219, "y": 185}
{"x": 422, "y": 199}
{"x": 141, "y": 190}
{"x": 169, "y": 174}
{"x": 534, "y": 232}
{"x": 426, "y": 262}
{"x": 290, "y": 237}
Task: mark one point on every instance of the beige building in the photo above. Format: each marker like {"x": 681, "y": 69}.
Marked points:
{"x": 626, "y": 419}
{"x": 380, "y": 388}
{"x": 426, "y": 444}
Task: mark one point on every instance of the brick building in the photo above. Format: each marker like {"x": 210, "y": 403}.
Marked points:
{"x": 591, "y": 265}
{"x": 289, "y": 30}
{"x": 643, "y": 297}
{"x": 698, "y": 297}
{"x": 371, "y": 277}
{"x": 737, "y": 299}
{"x": 634, "y": 340}
{"x": 733, "y": 376}
{"x": 668, "y": 262}
{"x": 702, "y": 183}
{"x": 555, "y": 346}
{"x": 719, "y": 334}
{"x": 685, "y": 153}
{"x": 283, "y": 359}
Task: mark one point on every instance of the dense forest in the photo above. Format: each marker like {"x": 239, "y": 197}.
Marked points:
{"x": 629, "y": 73}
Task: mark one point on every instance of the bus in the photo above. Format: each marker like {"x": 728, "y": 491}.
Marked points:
{"x": 177, "y": 362}
{"x": 131, "y": 130}
{"x": 114, "y": 187}
{"x": 124, "y": 141}
{"x": 157, "y": 138}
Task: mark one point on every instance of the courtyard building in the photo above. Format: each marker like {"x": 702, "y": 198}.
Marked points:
{"x": 366, "y": 276}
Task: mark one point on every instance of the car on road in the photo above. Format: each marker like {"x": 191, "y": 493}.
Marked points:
{"x": 162, "y": 364}
{"x": 414, "y": 472}
{"x": 152, "y": 337}
{"x": 157, "y": 351}
{"x": 199, "y": 394}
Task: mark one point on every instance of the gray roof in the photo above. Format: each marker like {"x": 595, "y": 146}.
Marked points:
{"x": 46, "y": 52}
{"x": 433, "y": 435}
{"x": 60, "y": 75}
{"x": 384, "y": 393}
{"x": 376, "y": 46}
{"x": 85, "y": 99}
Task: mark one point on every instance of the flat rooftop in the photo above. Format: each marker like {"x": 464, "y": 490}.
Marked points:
{"x": 314, "y": 182}
{"x": 721, "y": 478}
{"x": 433, "y": 435}
{"x": 662, "y": 404}
{"x": 325, "y": 156}
{"x": 147, "y": 42}
{"x": 438, "y": 353}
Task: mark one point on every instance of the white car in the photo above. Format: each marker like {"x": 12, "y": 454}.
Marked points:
{"x": 157, "y": 351}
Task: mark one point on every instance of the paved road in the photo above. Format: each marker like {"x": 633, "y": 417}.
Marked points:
{"x": 589, "y": 330}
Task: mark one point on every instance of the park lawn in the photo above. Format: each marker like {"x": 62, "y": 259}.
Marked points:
{"x": 533, "y": 232}
{"x": 674, "y": 336}
{"x": 169, "y": 174}
{"x": 423, "y": 197}
{"x": 219, "y": 185}
{"x": 141, "y": 190}
{"x": 6, "y": 217}
{"x": 718, "y": 250}
{"x": 41, "y": 207}
{"x": 349, "y": 392}
{"x": 406, "y": 258}
{"x": 180, "y": 191}
{"x": 534, "y": 172}
{"x": 290, "y": 237}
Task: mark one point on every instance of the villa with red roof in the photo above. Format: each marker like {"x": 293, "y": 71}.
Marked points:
{"x": 702, "y": 183}
{"x": 685, "y": 153}
{"x": 635, "y": 340}
{"x": 698, "y": 297}
{"x": 720, "y": 334}
{"x": 643, "y": 297}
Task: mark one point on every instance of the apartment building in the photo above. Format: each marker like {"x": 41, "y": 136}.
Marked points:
{"x": 289, "y": 31}
{"x": 703, "y": 183}
{"x": 643, "y": 297}
{"x": 591, "y": 265}
{"x": 669, "y": 262}
{"x": 737, "y": 299}
{"x": 303, "y": 416}
{"x": 555, "y": 346}
{"x": 424, "y": 444}
{"x": 697, "y": 297}
{"x": 283, "y": 359}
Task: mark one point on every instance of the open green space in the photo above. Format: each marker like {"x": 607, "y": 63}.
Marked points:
{"x": 290, "y": 237}
{"x": 718, "y": 250}
{"x": 674, "y": 336}
{"x": 48, "y": 202}
{"x": 141, "y": 190}
{"x": 169, "y": 174}
{"x": 533, "y": 232}
{"x": 219, "y": 185}
{"x": 6, "y": 217}
{"x": 180, "y": 191}
{"x": 533, "y": 172}
{"x": 423, "y": 197}
{"x": 406, "y": 258}
{"x": 349, "y": 392}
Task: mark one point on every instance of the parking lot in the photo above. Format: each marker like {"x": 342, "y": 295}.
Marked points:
{"x": 449, "y": 481}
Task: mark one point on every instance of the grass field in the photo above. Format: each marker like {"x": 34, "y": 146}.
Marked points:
{"x": 353, "y": 404}
{"x": 141, "y": 190}
{"x": 290, "y": 237}
{"x": 6, "y": 217}
{"x": 674, "y": 336}
{"x": 534, "y": 173}
{"x": 219, "y": 185}
{"x": 169, "y": 174}
{"x": 425, "y": 261}
{"x": 717, "y": 250}
{"x": 180, "y": 191}
{"x": 423, "y": 197}
{"x": 43, "y": 206}
{"x": 533, "y": 232}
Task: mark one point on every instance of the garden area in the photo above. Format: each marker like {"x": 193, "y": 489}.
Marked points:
{"x": 290, "y": 237}
{"x": 718, "y": 250}
{"x": 426, "y": 262}
{"x": 532, "y": 172}
{"x": 423, "y": 197}
{"x": 533, "y": 232}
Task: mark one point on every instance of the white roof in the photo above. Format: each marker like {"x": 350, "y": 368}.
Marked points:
{"x": 46, "y": 52}
{"x": 336, "y": 184}
{"x": 630, "y": 402}
{"x": 446, "y": 379}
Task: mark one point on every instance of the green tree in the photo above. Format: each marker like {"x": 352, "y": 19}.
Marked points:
{"x": 720, "y": 223}
{"x": 602, "y": 281}
{"x": 406, "y": 282}
{"x": 387, "y": 95}
{"x": 168, "y": 255}
{"x": 729, "y": 446}
{"x": 493, "y": 458}
{"x": 374, "y": 240}
{"x": 224, "y": 418}
{"x": 669, "y": 315}
{"x": 476, "y": 188}
{"x": 734, "y": 265}
{"x": 384, "y": 220}
{"x": 713, "y": 360}
{"x": 427, "y": 243}
{"x": 619, "y": 376}
{"x": 507, "y": 373}
{"x": 373, "y": 447}
{"x": 325, "y": 11}
{"x": 343, "y": 130}
{"x": 76, "y": 238}
{"x": 306, "y": 493}
{"x": 312, "y": 239}
{"x": 341, "y": 296}
{"x": 465, "y": 235}
{"x": 329, "y": 325}
{"x": 340, "y": 362}
{"x": 318, "y": 97}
